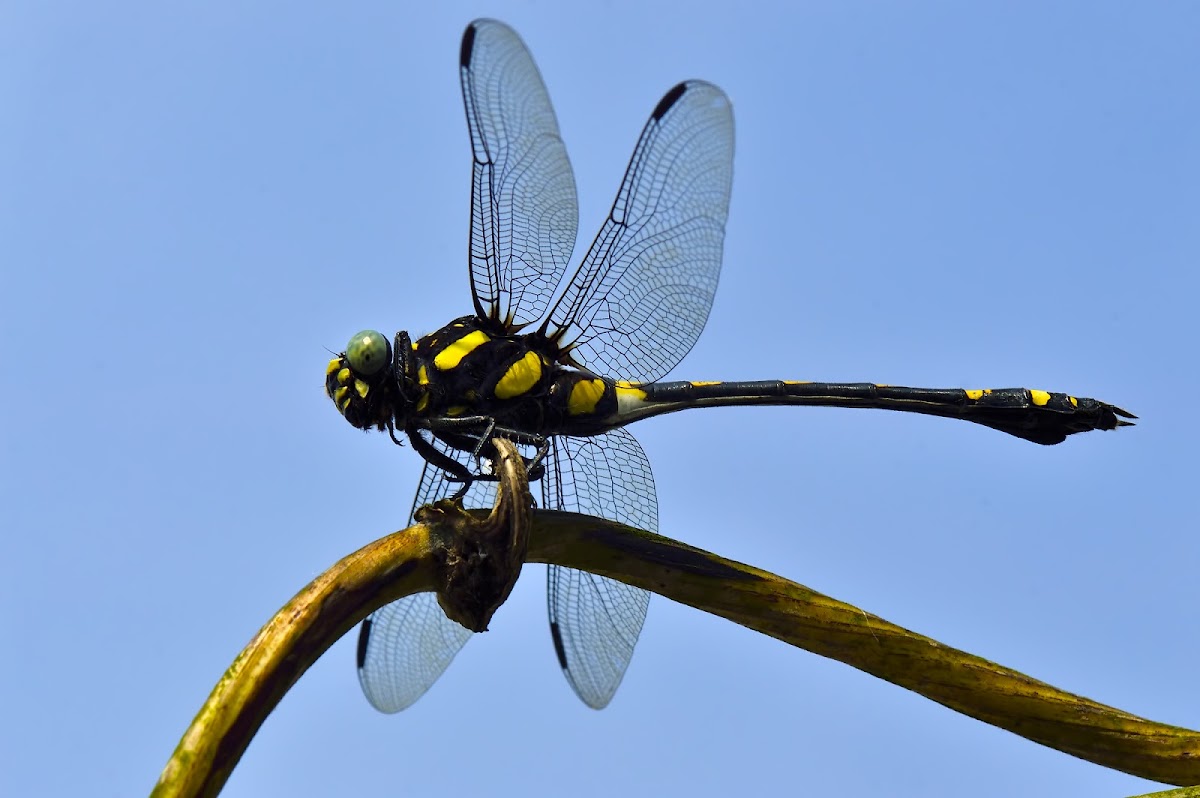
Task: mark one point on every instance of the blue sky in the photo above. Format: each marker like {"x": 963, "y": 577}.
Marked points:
{"x": 198, "y": 200}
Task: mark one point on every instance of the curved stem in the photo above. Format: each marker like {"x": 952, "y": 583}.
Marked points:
{"x": 413, "y": 560}
{"x": 807, "y": 619}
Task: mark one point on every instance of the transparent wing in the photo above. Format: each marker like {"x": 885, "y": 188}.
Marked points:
{"x": 596, "y": 621}
{"x": 524, "y": 211}
{"x": 404, "y": 647}
{"x": 641, "y": 297}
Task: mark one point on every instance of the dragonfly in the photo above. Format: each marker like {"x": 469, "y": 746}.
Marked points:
{"x": 563, "y": 367}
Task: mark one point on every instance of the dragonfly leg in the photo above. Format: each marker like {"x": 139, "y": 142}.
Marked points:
{"x": 472, "y": 435}
{"x": 456, "y": 471}
{"x": 485, "y": 439}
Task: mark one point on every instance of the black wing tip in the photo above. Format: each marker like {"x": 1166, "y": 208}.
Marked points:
{"x": 559, "y": 650}
{"x": 364, "y": 638}
{"x": 468, "y": 45}
{"x": 669, "y": 99}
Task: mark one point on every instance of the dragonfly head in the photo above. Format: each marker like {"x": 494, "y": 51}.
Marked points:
{"x": 362, "y": 383}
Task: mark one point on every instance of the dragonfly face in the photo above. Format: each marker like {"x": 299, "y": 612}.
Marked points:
{"x": 362, "y": 382}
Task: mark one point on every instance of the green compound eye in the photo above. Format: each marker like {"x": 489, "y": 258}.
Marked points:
{"x": 368, "y": 352}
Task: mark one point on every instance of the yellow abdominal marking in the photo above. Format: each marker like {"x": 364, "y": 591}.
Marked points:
{"x": 1074, "y": 401}
{"x": 974, "y": 394}
{"x": 333, "y": 366}
{"x": 1040, "y": 398}
{"x": 584, "y": 396}
{"x": 454, "y": 352}
{"x": 520, "y": 377}
{"x": 627, "y": 390}
{"x": 706, "y": 382}
{"x": 797, "y": 382}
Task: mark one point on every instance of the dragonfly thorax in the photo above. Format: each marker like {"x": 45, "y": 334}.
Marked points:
{"x": 472, "y": 368}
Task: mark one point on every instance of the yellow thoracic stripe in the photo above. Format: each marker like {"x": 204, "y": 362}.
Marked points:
{"x": 333, "y": 366}
{"x": 455, "y": 351}
{"x": 584, "y": 396}
{"x": 520, "y": 377}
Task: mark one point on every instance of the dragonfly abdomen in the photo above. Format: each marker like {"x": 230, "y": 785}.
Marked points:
{"x": 1035, "y": 415}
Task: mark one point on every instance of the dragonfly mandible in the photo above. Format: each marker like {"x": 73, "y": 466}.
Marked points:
{"x": 565, "y": 368}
